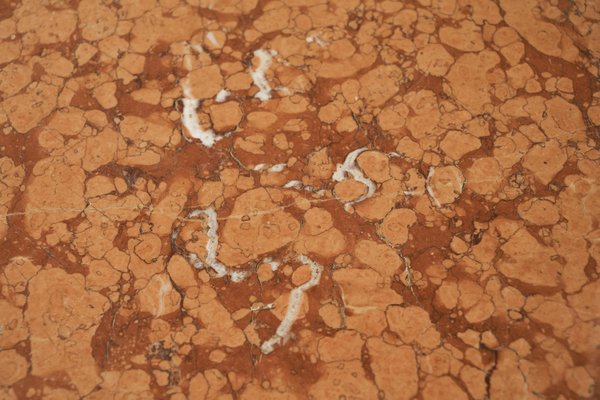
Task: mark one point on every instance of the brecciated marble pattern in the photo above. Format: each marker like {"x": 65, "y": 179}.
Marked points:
{"x": 283, "y": 199}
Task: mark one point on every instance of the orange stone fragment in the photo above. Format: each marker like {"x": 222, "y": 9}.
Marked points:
{"x": 396, "y": 224}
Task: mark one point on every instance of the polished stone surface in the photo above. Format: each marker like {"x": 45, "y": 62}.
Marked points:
{"x": 248, "y": 199}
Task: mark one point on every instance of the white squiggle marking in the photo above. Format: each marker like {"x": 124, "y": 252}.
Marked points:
{"x": 237, "y": 276}
{"x": 261, "y": 307}
{"x": 295, "y": 184}
{"x": 189, "y": 119}
{"x": 197, "y": 47}
{"x": 212, "y": 245}
{"x": 195, "y": 260}
{"x": 457, "y": 175}
{"x": 430, "y": 190}
{"x": 295, "y": 301}
{"x": 273, "y": 168}
{"x": 222, "y": 95}
{"x": 294, "y": 304}
{"x": 211, "y": 38}
{"x": 165, "y": 287}
{"x": 277, "y": 167}
{"x": 349, "y": 167}
{"x": 316, "y": 39}
{"x": 273, "y": 264}
{"x": 258, "y": 75}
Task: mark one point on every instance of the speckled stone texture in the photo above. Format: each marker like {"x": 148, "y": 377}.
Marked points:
{"x": 284, "y": 199}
